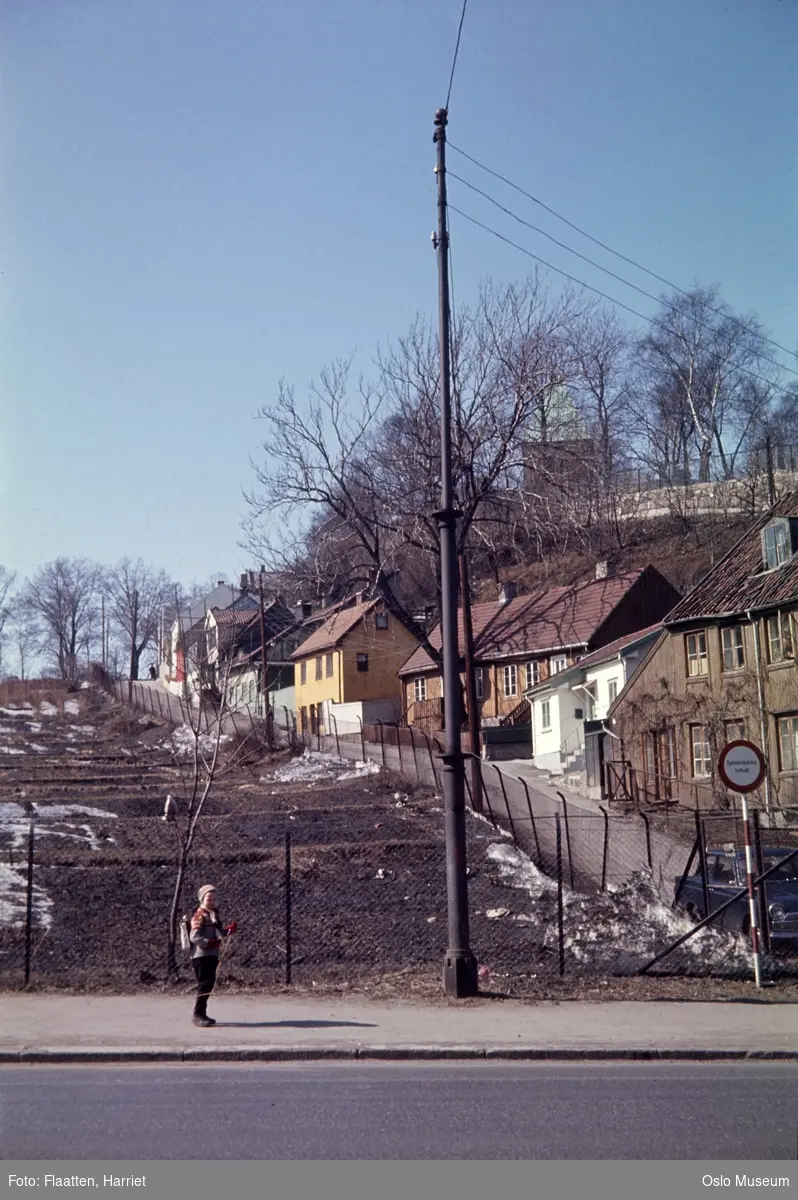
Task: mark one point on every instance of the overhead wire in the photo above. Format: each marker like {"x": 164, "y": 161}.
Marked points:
{"x": 589, "y": 287}
{"x": 456, "y": 52}
{"x": 626, "y": 282}
{"x": 604, "y": 245}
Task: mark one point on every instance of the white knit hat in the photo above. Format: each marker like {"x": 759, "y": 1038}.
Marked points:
{"x": 203, "y": 892}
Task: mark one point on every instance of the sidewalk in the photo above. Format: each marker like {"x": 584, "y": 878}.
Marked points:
{"x": 51, "y": 1028}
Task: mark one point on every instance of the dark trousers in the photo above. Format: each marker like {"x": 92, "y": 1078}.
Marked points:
{"x": 205, "y": 971}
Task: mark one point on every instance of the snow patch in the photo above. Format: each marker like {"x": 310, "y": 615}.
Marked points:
{"x": 13, "y": 899}
{"x": 47, "y": 709}
{"x": 181, "y": 741}
{"x": 72, "y": 706}
{"x": 313, "y": 767}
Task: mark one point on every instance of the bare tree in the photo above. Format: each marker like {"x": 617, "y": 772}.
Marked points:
{"x": 7, "y": 581}
{"x": 24, "y": 635}
{"x": 63, "y": 596}
{"x": 138, "y": 594}
{"x": 708, "y": 374}
{"x": 368, "y": 465}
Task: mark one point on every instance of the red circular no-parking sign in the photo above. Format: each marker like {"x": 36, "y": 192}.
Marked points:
{"x": 742, "y": 766}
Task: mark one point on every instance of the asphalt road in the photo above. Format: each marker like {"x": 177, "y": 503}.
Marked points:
{"x": 343, "y": 1111}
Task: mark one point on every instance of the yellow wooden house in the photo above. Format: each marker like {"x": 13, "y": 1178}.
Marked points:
{"x": 350, "y": 664}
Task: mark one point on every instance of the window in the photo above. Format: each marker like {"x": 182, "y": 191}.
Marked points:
{"x": 479, "y": 683}
{"x": 776, "y": 544}
{"x": 329, "y": 665}
{"x": 612, "y": 690}
{"x": 511, "y": 680}
{"x": 362, "y": 662}
{"x": 557, "y": 664}
{"x": 303, "y": 672}
{"x": 734, "y": 730}
{"x": 732, "y": 642}
{"x": 545, "y": 714}
{"x": 720, "y": 868}
{"x": 779, "y": 638}
{"x": 532, "y": 674}
{"x": 697, "y": 663}
{"x": 788, "y": 743}
{"x": 702, "y": 754}
{"x": 381, "y": 620}
{"x": 318, "y": 666}
{"x": 419, "y": 689}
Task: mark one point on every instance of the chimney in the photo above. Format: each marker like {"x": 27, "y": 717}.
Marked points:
{"x": 304, "y": 609}
{"x": 605, "y": 569}
{"x": 220, "y": 583}
{"x": 244, "y": 581}
{"x": 507, "y": 592}
{"x": 252, "y": 579}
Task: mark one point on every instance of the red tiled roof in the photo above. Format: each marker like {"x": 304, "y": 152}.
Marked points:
{"x": 551, "y": 620}
{"x": 481, "y": 616}
{"x": 605, "y": 653}
{"x": 334, "y": 628}
{"x": 738, "y": 582}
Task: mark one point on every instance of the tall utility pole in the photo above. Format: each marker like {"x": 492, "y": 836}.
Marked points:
{"x": 471, "y": 687}
{"x": 459, "y": 963}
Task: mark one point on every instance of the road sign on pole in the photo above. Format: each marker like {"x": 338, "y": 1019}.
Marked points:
{"x": 742, "y": 766}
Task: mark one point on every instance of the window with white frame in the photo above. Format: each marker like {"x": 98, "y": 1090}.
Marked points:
{"x": 731, "y": 637}
{"x": 734, "y": 730}
{"x": 545, "y": 714}
{"x": 558, "y": 663}
{"x": 381, "y": 620}
{"x": 532, "y": 674}
{"x": 303, "y": 672}
{"x": 612, "y": 690}
{"x": 779, "y": 631}
{"x": 776, "y": 544}
{"x": 788, "y": 742}
{"x": 328, "y": 665}
{"x": 511, "y": 680}
{"x": 479, "y": 683}
{"x": 420, "y": 689}
{"x": 318, "y": 666}
{"x": 697, "y": 660}
{"x": 701, "y": 751}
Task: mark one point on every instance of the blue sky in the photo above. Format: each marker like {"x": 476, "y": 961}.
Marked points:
{"x": 200, "y": 197}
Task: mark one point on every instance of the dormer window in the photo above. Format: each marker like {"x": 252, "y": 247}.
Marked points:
{"x": 777, "y": 543}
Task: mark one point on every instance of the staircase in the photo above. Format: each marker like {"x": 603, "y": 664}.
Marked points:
{"x": 520, "y": 715}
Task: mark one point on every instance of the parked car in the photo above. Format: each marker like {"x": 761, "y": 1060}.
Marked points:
{"x": 726, "y": 877}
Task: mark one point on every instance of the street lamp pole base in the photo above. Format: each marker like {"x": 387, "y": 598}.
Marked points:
{"x": 460, "y": 974}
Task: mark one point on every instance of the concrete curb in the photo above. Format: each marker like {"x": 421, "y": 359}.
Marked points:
{"x": 409, "y": 1053}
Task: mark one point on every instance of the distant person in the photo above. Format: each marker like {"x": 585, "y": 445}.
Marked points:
{"x": 206, "y": 939}
{"x": 153, "y": 672}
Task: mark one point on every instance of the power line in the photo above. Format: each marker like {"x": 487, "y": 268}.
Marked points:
{"x": 589, "y": 287}
{"x": 631, "y": 261}
{"x": 456, "y": 52}
{"x": 593, "y": 263}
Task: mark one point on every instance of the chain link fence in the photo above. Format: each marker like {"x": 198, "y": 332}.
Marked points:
{"x": 333, "y": 865}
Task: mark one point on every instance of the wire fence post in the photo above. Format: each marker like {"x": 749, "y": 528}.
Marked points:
{"x": 567, "y": 839}
{"x": 382, "y": 742}
{"x": 160, "y": 707}
{"x": 532, "y": 820}
{"x": 288, "y": 906}
{"x": 29, "y": 905}
{"x": 510, "y": 821}
{"x": 764, "y": 915}
{"x": 649, "y": 856}
{"x": 560, "y": 911}
{"x": 335, "y": 728}
{"x": 399, "y": 748}
{"x": 702, "y": 858}
{"x": 415, "y": 756}
{"x": 431, "y": 759}
{"x": 605, "y": 855}
{"x": 362, "y": 738}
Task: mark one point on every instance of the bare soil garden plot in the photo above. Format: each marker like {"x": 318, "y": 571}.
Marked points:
{"x": 368, "y": 888}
